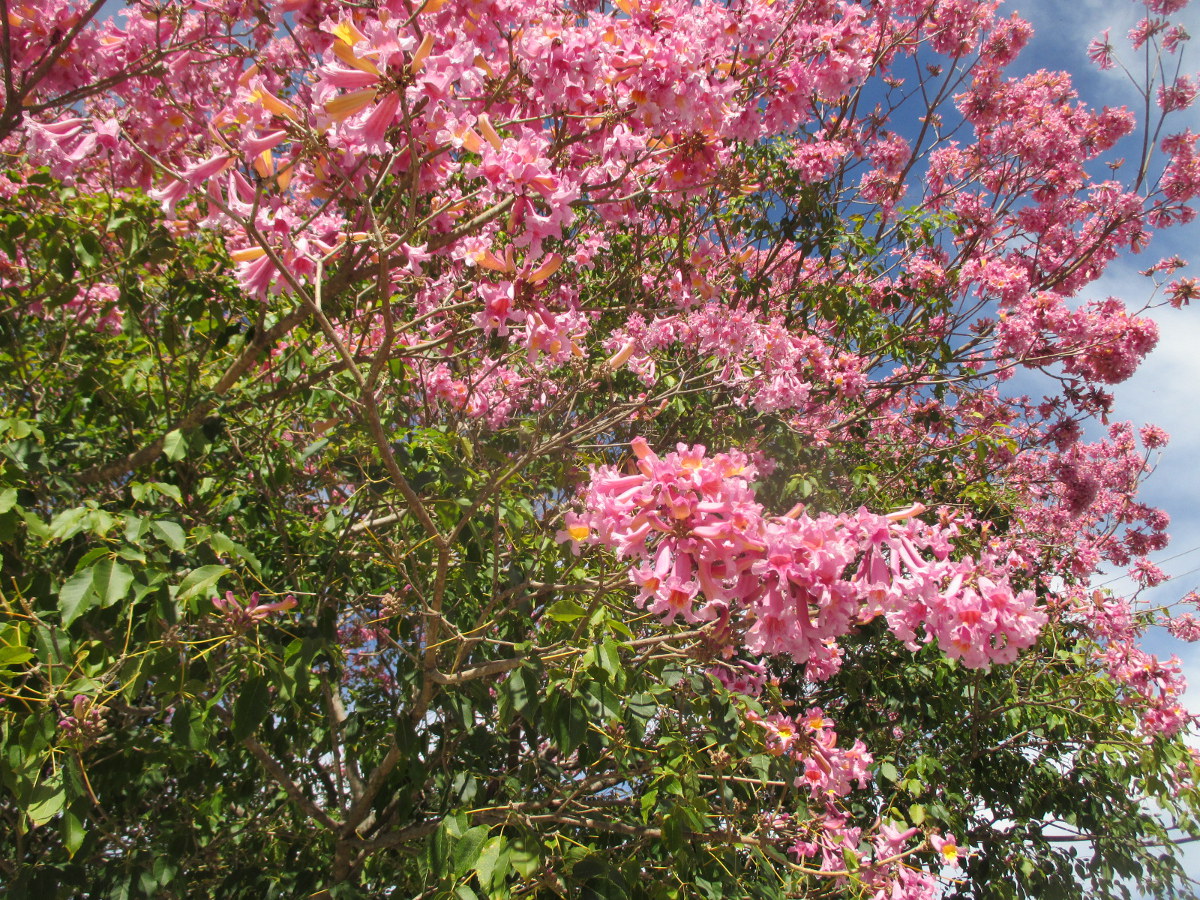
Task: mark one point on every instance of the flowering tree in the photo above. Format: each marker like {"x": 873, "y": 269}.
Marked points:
{"x": 360, "y": 534}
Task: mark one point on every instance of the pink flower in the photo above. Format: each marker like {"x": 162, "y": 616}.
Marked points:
{"x": 575, "y": 530}
{"x": 1182, "y": 291}
{"x": 241, "y": 617}
{"x": 1153, "y": 437}
{"x": 1166, "y": 7}
{"x": 1176, "y": 35}
{"x": 1185, "y": 628}
{"x": 1101, "y": 52}
{"x": 948, "y": 849}
{"x": 1180, "y": 95}
{"x": 191, "y": 177}
{"x": 891, "y": 840}
{"x": 1144, "y": 30}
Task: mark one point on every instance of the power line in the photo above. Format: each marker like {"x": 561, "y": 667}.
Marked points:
{"x": 1167, "y": 560}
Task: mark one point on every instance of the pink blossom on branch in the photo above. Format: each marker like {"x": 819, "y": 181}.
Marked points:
{"x": 1100, "y": 51}
{"x": 699, "y": 540}
{"x": 241, "y": 616}
{"x": 1178, "y": 95}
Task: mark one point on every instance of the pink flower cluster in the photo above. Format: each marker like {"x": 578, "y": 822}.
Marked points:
{"x": 1185, "y": 628}
{"x": 826, "y": 769}
{"x": 1149, "y": 687}
{"x": 84, "y": 725}
{"x": 1154, "y": 687}
{"x": 765, "y": 364}
{"x": 703, "y": 546}
{"x": 829, "y": 840}
{"x": 241, "y": 616}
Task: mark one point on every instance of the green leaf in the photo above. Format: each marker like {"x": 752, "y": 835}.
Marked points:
{"x": 520, "y": 693}
{"x": 610, "y": 662}
{"x": 200, "y": 580}
{"x": 14, "y": 656}
{"x": 566, "y": 720}
{"x": 46, "y": 802}
{"x": 888, "y": 772}
{"x": 223, "y": 545}
{"x": 76, "y": 596}
{"x": 135, "y": 527}
{"x": 649, "y": 803}
{"x": 602, "y": 702}
{"x": 565, "y": 610}
{"x": 488, "y": 864}
{"x": 73, "y": 832}
{"x": 187, "y": 727}
{"x": 438, "y": 848}
{"x": 524, "y": 856}
{"x": 68, "y": 523}
{"x": 36, "y": 526}
{"x": 8, "y": 499}
{"x": 169, "y": 490}
{"x": 141, "y": 490}
{"x": 467, "y": 849}
{"x": 618, "y": 627}
{"x": 171, "y": 533}
{"x": 642, "y": 709}
{"x": 600, "y": 879}
{"x": 251, "y": 707}
{"x": 88, "y": 249}
{"x": 111, "y": 580}
{"x": 174, "y": 445}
